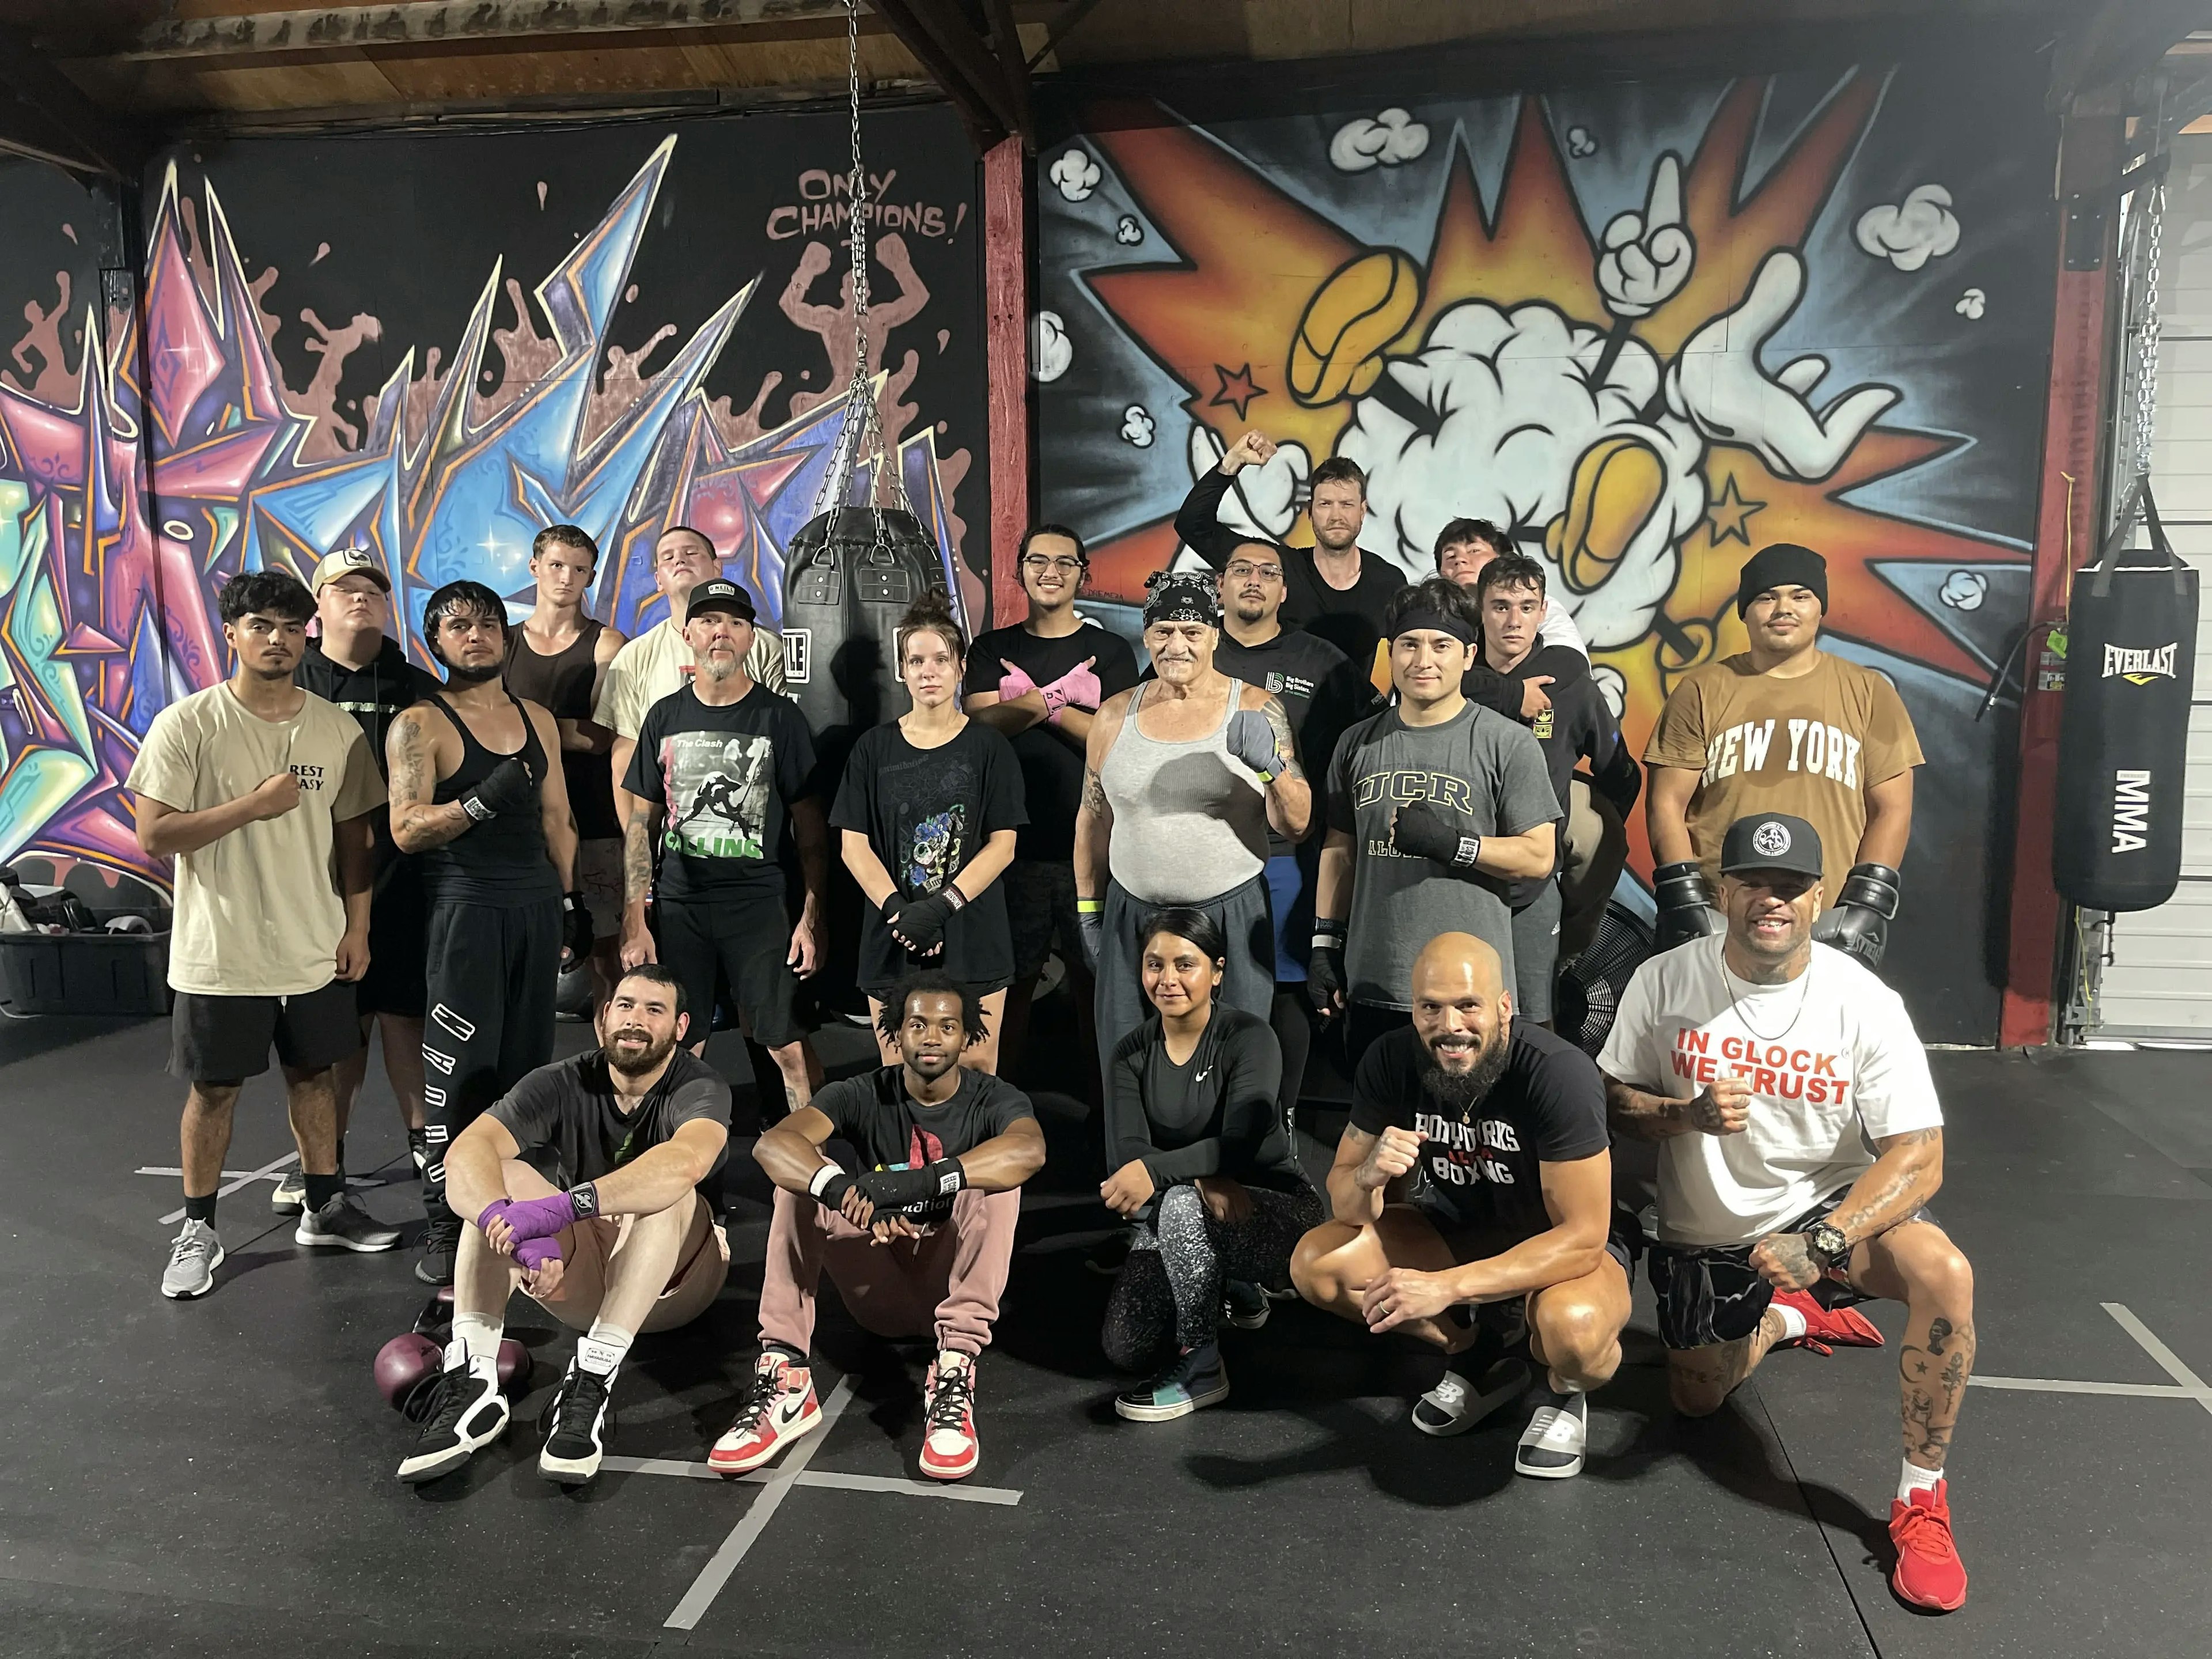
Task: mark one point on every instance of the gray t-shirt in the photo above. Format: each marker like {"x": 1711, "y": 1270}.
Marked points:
{"x": 1491, "y": 774}
{"x": 571, "y": 1129}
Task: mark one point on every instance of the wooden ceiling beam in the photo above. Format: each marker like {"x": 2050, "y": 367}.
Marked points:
{"x": 450, "y": 23}
{"x": 44, "y": 114}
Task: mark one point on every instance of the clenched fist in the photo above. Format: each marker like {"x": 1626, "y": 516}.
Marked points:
{"x": 1724, "y": 1108}
{"x": 1393, "y": 1155}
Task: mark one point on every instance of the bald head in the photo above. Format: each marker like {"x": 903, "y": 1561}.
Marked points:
{"x": 1463, "y": 1016}
{"x": 1452, "y": 965}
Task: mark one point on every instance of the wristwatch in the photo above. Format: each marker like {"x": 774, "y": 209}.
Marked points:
{"x": 1829, "y": 1241}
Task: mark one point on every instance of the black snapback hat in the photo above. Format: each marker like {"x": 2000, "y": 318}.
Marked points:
{"x": 718, "y": 593}
{"x": 1772, "y": 840}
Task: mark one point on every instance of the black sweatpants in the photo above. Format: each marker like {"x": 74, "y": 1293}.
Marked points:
{"x": 493, "y": 970}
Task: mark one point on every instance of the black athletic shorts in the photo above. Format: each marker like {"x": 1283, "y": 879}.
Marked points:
{"x": 1468, "y": 1244}
{"x": 226, "y": 1040}
{"x": 745, "y": 942}
{"x": 1714, "y": 1294}
{"x": 397, "y": 981}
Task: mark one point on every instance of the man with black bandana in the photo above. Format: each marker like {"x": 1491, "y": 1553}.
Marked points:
{"x": 478, "y": 794}
{"x": 1436, "y": 807}
{"x": 1474, "y": 1176}
{"x": 1184, "y": 777}
{"x": 1784, "y": 727}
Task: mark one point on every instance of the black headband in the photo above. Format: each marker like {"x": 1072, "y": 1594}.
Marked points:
{"x": 1180, "y": 596}
{"x": 1423, "y": 617}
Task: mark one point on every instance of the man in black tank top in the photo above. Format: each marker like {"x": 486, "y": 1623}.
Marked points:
{"x": 558, "y": 658}
{"x": 476, "y": 796}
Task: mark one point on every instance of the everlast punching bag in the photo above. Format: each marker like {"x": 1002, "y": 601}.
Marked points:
{"x": 848, "y": 576}
{"x": 2124, "y": 733}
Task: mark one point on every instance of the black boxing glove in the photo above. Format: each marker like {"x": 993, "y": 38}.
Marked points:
{"x": 920, "y": 922}
{"x": 1325, "y": 967}
{"x": 1686, "y": 910}
{"x": 902, "y": 1189}
{"x": 508, "y": 787}
{"x": 1858, "y": 924}
{"x": 1423, "y": 829}
{"x": 576, "y": 935}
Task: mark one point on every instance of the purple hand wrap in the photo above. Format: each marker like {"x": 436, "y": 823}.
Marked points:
{"x": 535, "y": 1252}
{"x": 495, "y": 1211}
{"x": 539, "y": 1218}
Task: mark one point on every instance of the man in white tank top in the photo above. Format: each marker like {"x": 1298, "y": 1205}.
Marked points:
{"x": 1183, "y": 775}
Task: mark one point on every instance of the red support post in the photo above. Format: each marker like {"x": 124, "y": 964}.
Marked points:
{"x": 1006, "y": 333}
{"x": 2066, "y": 535}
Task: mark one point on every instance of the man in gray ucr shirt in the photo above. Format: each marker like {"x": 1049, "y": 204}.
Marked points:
{"x": 1436, "y": 807}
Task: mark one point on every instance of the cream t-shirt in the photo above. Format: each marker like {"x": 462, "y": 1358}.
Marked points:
{"x": 657, "y": 664}
{"x": 258, "y": 912}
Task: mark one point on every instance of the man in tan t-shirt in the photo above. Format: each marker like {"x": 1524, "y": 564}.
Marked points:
{"x": 262, "y": 793}
{"x": 1784, "y": 727}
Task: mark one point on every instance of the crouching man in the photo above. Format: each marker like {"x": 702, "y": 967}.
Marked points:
{"x": 586, "y": 1187}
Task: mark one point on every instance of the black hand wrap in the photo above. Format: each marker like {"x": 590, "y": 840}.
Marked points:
{"x": 1685, "y": 904}
{"x": 576, "y": 934}
{"x": 903, "y": 1190}
{"x": 1859, "y": 923}
{"x": 920, "y": 922}
{"x": 508, "y": 787}
{"x": 1423, "y": 829}
{"x": 1325, "y": 967}
{"x": 832, "y": 1193}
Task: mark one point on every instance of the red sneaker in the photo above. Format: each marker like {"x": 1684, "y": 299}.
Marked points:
{"x": 1827, "y": 1327}
{"x": 779, "y": 1407}
{"x": 1929, "y": 1573}
{"x": 948, "y": 1448}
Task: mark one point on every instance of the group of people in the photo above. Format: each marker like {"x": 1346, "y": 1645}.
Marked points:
{"x": 1335, "y": 803}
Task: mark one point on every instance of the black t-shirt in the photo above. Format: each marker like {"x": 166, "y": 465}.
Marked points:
{"x": 571, "y": 1129}
{"x": 1485, "y": 687}
{"x": 375, "y": 695}
{"x": 1349, "y": 618}
{"x": 927, "y": 812}
{"x": 1578, "y": 726}
{"x": 1479, "y": 1170}
{"x": 1051, "y": 761}
{"x": 1213, "y": 1114}
{"x": 1321, "y": 692}
{"x": 725, "y": 778}
{"x": 890, "y": 1129}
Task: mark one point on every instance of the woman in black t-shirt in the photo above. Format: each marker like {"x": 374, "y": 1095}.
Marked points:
{"x": 1204, "y": 1167}
{"x": 927, "y": 812}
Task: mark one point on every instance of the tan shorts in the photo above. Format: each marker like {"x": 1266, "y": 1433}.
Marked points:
{"x": 588, "y": 1247}
{"x": 599, "y": 876}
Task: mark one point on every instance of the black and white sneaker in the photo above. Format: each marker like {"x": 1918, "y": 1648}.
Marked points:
{"x": 343, "y": 1224}
{"x": 1245, "y": 1306}
{"x": 418, "y": 1149}
{"x": 442, "y": 1240}
{"x": 580, "y": 1422}
{"x": 1552, "y": 1445}
{"x": 463, "y": 1411}
{"x": 1460, "y": 1401}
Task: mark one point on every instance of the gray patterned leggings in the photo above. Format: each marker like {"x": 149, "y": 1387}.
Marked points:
{"x": 1170, "y": 1286}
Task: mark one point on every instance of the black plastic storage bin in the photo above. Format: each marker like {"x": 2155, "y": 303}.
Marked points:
{"x": 86, "y": 973}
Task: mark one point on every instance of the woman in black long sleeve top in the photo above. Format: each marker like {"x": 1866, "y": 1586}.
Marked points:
{"x": 1204, "y": 1166}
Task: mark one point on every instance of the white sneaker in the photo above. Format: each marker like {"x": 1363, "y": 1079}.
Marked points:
{"x": 192, "y": 1261}
{"x": 290, "y": 1197}
{"x": 1457, "y": 1405}
{"x": 1552, "y": 1445}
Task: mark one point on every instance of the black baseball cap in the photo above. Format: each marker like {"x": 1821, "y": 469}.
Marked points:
{"x": 720, "y": 593}
{"x": 1772, "y": 840}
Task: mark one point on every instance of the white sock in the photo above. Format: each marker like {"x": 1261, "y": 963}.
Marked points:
{"x": 1916, "y": 1478}
{"x": 603, "y": 1347}
{"x": 1792, "y": 1321}
{"x": 478, "y": 1335}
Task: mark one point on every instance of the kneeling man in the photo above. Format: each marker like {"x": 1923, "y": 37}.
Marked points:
{"x": 1474, "y": 1170}
{"x": 922, "y": 1238}
{"x": 586, "y": 1186}
{"x": 1799, "y": 1138}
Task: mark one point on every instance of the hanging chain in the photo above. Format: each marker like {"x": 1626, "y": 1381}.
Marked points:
{"x": 2147, "y": 329}
{"x": 861, "y": 437}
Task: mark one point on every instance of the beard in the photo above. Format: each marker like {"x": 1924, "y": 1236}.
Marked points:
{"x": 1457, "y": 1093}
{"x": 650, "y": 1056}
{"x": 462, "y": 674}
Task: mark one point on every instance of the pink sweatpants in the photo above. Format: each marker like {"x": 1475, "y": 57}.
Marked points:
{"x": 953, "y": 1278}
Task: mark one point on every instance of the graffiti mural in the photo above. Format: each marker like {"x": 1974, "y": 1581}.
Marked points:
{"x": 164, "y": 446}
{"x": 1649, "y": 329}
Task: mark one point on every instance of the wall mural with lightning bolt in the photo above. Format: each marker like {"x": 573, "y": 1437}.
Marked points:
{"x": 1650, "y": 328}
{"x": 433, "y": 346}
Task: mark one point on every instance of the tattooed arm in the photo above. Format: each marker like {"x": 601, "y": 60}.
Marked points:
{"x": 1094, "y": 819}
{"x": 1905, "y": 1175}
{"x": 410, "y": 755}
{"x": 637, "y": 946}
{"x": 1290, "y": 797}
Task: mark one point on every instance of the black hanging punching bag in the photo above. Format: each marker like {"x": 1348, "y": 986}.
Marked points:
{"x": 848, "y": 576}
{"x": 2124, "y": 733}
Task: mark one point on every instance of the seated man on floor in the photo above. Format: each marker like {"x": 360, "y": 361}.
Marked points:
{"x": 923, "y": 1235}
{"x": 1474, "y": 1171}
{"x": 1799, "y": 1136}
{"x": 587, "y": 1188}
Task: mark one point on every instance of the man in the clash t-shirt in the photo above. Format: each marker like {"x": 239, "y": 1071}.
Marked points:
{"x": 919, "y": 1239}
{"x": 1475, "y": 1171}
{"x": 1040, "y": 681}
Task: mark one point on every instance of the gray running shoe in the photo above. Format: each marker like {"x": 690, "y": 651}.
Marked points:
{"x": 343, "y": 1224}
{"x": 290, "y": 1197}
{"x": 192, "y": 1261}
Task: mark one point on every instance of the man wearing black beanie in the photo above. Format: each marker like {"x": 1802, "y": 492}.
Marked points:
{"x": 1783, "y": 727}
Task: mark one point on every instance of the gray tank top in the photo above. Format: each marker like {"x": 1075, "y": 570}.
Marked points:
{"x": 1190, "y": 821}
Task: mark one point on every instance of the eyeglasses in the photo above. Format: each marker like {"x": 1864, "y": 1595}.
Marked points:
{"x": 1241, "y": 571}
{"x": 1038, "y": 563}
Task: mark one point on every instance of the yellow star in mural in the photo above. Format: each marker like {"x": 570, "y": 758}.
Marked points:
{"x": 1730, "y": 514}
